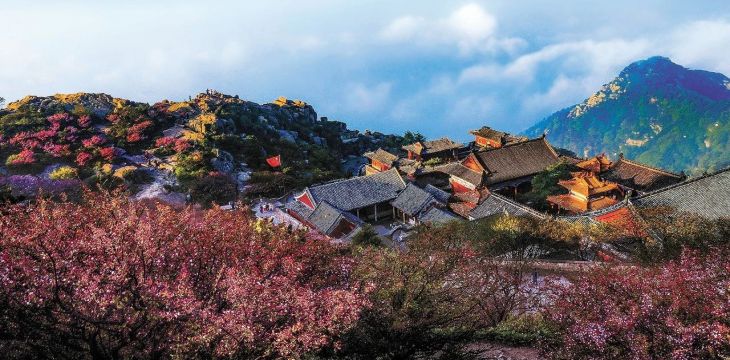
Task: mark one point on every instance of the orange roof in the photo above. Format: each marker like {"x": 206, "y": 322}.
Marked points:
{"x": 595, "y": 164}
{"x": 569, "y": 202}
{"x": 602, "y": 203}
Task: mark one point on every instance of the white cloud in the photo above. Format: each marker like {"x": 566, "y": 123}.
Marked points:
{"x": 470, "y": 28}
{"x": 701, "y": 44}
{"x": 403, "y": 28}
{"x": 360, "y": 98}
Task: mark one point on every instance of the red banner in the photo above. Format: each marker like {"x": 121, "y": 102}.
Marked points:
{"x": 274, "y": 161}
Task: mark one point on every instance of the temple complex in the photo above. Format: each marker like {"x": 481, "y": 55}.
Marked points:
{"x": 482, "y": 179}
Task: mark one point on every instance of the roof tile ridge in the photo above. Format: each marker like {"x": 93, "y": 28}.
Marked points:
{"x": 648, "y": 167}
{"x": 522, "y": 206}
{"x": 683, "y": 183}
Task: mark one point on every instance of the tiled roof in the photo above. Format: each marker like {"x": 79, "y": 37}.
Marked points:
{"x": 413, "y": 200}
{"x": 359, "y": 192}
{"x": 382, "y": 156}
{"x": 707, "y": 196}
{"x": 462, "y": 172}
{"x": 434, "y": 146}
{"x": 325, "y": 217}
{"x": 640, "y": 177}
{"x": 497, "y": 204}
{"x": 517, "y": 160}
{"x": 436, "y": 215}
{"x": 437, "y": 193}
{"x": 489, "y": 133}
{"x": 303, "y": 210}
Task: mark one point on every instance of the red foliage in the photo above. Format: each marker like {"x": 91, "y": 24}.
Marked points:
{"x": 108, "y": 153}
{"x": 111, "y": 278}
{"x": 182, "y": 145}
{"x": 164, "y": 141}
{"x": 82, "y": 158}
{"x": 93, "y": 141}
{"x": 135, "y": 133}
{"x": 59, "y": 118}
{"x": 113, "y": 118}
{"x": 57, "y": 150}
{"x": 84, "y": 121}
{"x": 677, "y": 311}
{"x": 23, "y": 158}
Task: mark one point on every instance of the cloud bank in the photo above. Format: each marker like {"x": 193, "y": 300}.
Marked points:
{"x": 436, "y": 67}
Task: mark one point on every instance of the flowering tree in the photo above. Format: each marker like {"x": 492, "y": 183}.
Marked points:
{"x": 676, "y": 311}
{"x": 110, "y": 278}
{"x": 431, "y": 298}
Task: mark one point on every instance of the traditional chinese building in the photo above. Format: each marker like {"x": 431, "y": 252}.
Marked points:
{"x": 442, "y": 148}
{"x": 510, "y": 168}
{"x": 365, "y": 197}
{"x": 586, "y": 192}
{"x": 417, "y": 205}
{"x": 380, "y": 160}
{"x": 488, "y": 138}
{"x": 640, "y": 178}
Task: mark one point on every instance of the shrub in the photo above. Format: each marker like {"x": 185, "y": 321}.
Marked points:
{"x": 678, "y": 310}
{"x": 367, "y": 236}
{"x": 25, "y": 157}
{"x": 432, "y": 297}
{"x": 215, "y": 188}
{"x": 123, "y": 279}
{"x": 526, "y": 329}
{"x": 64, "y": 172}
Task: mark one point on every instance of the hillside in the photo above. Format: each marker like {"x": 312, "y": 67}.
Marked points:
{"x": 656, "y": 112}
{"x": 177, "y": 146}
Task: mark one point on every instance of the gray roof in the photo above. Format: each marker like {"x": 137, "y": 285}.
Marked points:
{"x": 303, "y": 210}
{"x": 517, "y": 160}
{"x": 462, "y": 172}
{"x": 639, "y": 176}
{"x": 705, "y": 196}
{"x": 382, "y": 156}
{"x": 433, "y": 146}
{"x": 437, "y": 193}
{"x": 413, "y": 200}
{"x": 489, "y": 133}
{"x": 359, "y": 192}
{"x": 326, "y": 217}
{"x": 496, "y": 204}
{"x": 436, "y": 215}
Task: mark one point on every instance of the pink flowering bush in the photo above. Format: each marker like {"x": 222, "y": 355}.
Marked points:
{"x": 108, "y": 153}
{"x": 110, "y": 278}
{"x": 680, "y": 310}
{"x": 24, "y": 157}
{"x": 93, "y": 141}
{"x": 83, "y": 158}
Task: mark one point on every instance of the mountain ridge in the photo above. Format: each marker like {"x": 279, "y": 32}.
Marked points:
{"x": 654, "y": 111}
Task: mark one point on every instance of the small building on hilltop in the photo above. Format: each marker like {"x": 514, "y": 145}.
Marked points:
{"x": 488, "y": 138}
{"x": 380, "y": 160}
{"x": 443, "y": 148}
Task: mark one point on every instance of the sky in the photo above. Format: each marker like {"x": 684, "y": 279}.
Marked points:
{"x": 433, "y": 66}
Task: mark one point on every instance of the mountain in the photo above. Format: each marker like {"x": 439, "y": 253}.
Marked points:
{"x": 656, "y": 112}
{"x": 180, "y": 145}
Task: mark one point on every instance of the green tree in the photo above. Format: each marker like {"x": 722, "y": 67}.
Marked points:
{"x": 367, "y": 236}
{"x": 412, "y": 137}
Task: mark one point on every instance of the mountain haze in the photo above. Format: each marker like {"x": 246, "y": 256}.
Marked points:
{"x": 656, "y": 112}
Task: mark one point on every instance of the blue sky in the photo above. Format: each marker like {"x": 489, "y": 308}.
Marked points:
{"x": 434, "y": 66}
